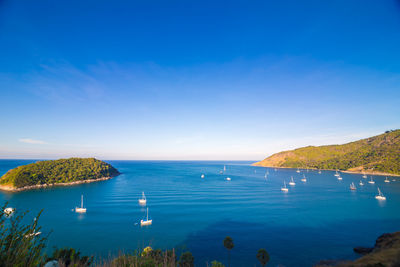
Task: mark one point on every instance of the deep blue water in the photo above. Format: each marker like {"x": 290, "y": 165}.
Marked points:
{"x": 321, "y": 219}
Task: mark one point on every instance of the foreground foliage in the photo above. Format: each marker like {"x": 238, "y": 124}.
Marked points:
{"x": 18, "y": 244}
{"x": 379, "y": 153}
{"x": 58, "y": 171}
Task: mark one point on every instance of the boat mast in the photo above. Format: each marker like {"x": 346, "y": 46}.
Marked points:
{"x": 81, "y": 201}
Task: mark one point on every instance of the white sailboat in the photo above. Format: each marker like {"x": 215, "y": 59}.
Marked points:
{"x": 387, "y": 180}
{"x": 292, "y": 181}
{"x": 339, "y": 177}
{"x": 304, "y": 179}
{"x": 265, "y": 176}
{"x": 352, "y": 186}
{"x": 228, "y": 178}
{"x": 284, "y": 188}
{"x": 147, "y": 221}
{"x": 371, "y": 181}
{"x": 361, "y": 183}
{"x": 202, "y": 176}
{"x": 364, "y": 175}
{"x": 337, "y": 174}
{"x": 224, "y": 168}
{"x": 143, "y": 200}
{"x": 298, "y": 170}
{"x": 319, "y": 172}
{"x": 8, "y": 211}
{"x": 81, "y": 209}
{"x": 380, "y": 196}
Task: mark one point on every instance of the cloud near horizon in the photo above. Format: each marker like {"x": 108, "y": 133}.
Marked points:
{"x": 32, "y": 141}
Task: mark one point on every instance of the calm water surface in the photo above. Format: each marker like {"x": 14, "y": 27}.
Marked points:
{"x": 319, "y": 219}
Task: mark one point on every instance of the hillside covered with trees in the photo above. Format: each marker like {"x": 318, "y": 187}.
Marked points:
{"x": 58, "y": 171}
{"x": 378, "y": 154}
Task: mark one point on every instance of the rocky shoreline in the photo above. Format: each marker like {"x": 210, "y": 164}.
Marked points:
{"x": 14, "y": 189}
{"x": 385, "y": 252}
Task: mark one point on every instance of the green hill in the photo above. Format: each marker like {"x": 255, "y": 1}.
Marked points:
{"x": 49, "y": 172}
{"x": 378, "y": 154}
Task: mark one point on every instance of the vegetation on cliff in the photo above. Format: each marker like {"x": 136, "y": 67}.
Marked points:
{"x": 58, "y": 171}
{"x": 378, "y": 154}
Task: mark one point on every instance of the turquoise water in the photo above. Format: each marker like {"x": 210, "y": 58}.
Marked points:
{"x": 321, "y": 219}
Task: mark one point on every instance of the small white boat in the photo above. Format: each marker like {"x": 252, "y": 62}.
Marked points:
{"x": 202, "y": 176}
{"x": 224, "y": 168}
{"x": 371, "y": 181}
{"x": 143, "y": 200}
{"x": 352, "y": 186}
{"x": 387, "y": 180}
{"x": 228, "y": 178}
{"x": 284, "y": 188}
{"x": 361, "y": 183}
{"x": 304, "y": 179}
{"x": 298, "y": 170}
{"x": 337, "y": 174}
{"x": 319, "y": 172}
{"x": 81, "y": 209}
{"x": 147, "y": 221}
{"x": 393, "y": 180}
{"x": 380, "y": 196}
{"x": 292, "y": 181}
{"x": 364, "y": 175}
{"x": 8, "y": 211}
{"x": 275, "y": 169}
{"x": 339, "y": 178}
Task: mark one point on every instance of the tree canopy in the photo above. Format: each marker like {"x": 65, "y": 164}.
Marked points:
{"x": 58, "y": 171}
{"x": 375, "y": 154}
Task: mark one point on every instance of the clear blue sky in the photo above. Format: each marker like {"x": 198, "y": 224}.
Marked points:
{"x": 194, "y": 79}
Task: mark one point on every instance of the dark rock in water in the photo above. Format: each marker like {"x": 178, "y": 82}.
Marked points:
{"x": 329, "y": 263}
{"x": 362, "y": 250}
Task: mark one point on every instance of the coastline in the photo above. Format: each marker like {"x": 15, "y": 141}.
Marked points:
{"x": 350, "y": 172}
{"x": 9, "y": 188}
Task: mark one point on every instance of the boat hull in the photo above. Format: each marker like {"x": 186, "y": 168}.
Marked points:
{"x": 80, "y": 210}
{"x": 143, "y": 223}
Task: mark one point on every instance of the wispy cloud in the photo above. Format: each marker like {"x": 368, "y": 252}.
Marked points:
{"x": 32, "y": 141}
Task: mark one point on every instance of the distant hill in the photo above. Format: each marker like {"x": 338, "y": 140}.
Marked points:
{"x": 376, "y": 155}
{"x": 52, "y": 172}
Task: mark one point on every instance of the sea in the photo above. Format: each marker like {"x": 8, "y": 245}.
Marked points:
{"x": 315, "y": 220}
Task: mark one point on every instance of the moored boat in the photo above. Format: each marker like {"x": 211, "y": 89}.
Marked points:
{"x": 143, "y": 200}
{"x": 147, "y": 221}
{"x": 81, "y": 209}
{"x": 380, "y": 196}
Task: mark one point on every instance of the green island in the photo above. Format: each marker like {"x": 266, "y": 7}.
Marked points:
{"x": 57, "y": 172}
{"x": 375, "y": 155}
